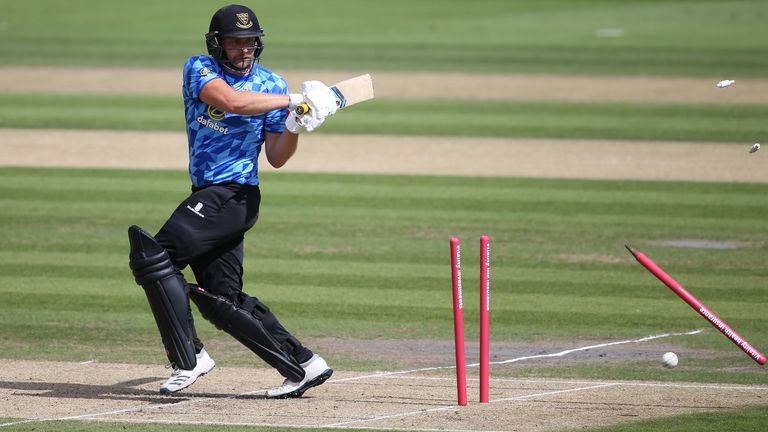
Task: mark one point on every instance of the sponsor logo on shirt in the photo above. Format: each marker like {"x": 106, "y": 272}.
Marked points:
{"x": 215, "y": 113}
{"x": 213, "y": 125}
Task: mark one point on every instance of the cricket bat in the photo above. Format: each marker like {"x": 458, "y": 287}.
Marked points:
{"x": 348, "y": 92}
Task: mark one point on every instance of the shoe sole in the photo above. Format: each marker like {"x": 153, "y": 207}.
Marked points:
{"x": 165, "y": 391}
{"x": 299, "y": 392}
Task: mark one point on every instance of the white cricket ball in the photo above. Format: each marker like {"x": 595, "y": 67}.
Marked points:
{"x": 725, "y": 83}
{"x": 669, "y": 360}
{"x": 755, "y": 147}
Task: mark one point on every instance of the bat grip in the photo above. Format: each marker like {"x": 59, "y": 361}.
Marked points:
{"x": 301, "y": 109}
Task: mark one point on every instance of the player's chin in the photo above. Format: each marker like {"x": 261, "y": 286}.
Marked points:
{"x": 243, "y": 63}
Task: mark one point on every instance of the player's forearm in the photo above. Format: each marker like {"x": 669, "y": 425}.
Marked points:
{"x": 247, "y": 103}
{"x": 219, "y": 94}
{"x": 281, "y": 148}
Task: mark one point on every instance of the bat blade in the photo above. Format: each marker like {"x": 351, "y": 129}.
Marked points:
{"x": 353, "y": 90}
{"x": 348, "y": 92}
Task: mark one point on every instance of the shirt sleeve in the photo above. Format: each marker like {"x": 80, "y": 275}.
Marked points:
{"x": 198, "y": 71}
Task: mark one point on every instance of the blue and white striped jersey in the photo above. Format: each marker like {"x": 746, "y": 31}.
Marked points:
{"x": 225, "y": 147}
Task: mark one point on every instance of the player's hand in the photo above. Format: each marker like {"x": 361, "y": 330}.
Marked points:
{"x": 320, "y": 98}
{"x": 294, "y": 123}
{"x": 291, "y": 123}
{"x": 310, "y": 121}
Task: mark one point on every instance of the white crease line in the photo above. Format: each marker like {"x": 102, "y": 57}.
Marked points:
{"x": 517, "y": 359}
{"x": 566, "y": 352}
{"x": 452, "y": 407}
{"x": 623, "y": 383}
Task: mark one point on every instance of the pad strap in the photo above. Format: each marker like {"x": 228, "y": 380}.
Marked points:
{"x": 248, "y": 328}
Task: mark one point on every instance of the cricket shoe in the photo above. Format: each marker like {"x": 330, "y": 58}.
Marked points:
{"x": 316, "y": 371}
{"x": 181, "y": 379}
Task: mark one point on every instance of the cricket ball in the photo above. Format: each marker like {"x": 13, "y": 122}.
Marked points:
{"x": 669, "y": 360}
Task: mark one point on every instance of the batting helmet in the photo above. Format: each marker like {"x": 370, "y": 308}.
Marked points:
{"x": 234, "y": 21}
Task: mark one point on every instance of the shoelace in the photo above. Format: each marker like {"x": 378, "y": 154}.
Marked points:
{"x": 176, "y": 371}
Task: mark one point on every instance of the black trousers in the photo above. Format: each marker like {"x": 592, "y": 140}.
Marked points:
{"x": 206, "y": 232}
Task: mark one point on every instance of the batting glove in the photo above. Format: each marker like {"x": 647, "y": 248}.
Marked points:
{"x": 291, "y": 123}
{"x": 320, "y": 98}
{"x": 310, "y": 121}
{"x": 294, "y": 100}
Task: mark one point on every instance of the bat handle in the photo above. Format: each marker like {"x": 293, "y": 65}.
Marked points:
{"x": 302, "y": 109}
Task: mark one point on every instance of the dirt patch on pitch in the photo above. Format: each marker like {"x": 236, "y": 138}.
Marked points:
{"x": 411, "y": 85}
{"x": 372, "y": 154}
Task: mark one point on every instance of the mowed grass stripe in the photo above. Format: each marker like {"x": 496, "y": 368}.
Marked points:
{"x": 350, "y": 238}
{"x": 510, "y": 299}
{"x": 177, "y": 182}
{"x": 320, "y": 204}
{"x": 599, "y": 313}
{"x": 465, "y": 118}
{"x": 528, "y": 298}
{"x": 361, "y": 194}
{"x": 656, "y": 37}
{"x": 568, "y": 281}
{"x": 546, "y": 274}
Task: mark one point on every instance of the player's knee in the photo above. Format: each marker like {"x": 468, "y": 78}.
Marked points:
{"x": 148, "y": 259}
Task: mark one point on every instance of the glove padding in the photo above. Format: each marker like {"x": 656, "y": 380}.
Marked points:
{"x": 320, "y": 98}
{"x": 294, "y": 100}
{"x": 309, "y": 122}
{"x": 291, "y": 123}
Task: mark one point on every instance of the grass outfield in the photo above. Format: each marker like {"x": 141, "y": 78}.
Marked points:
{"x": 570, "y": 120}
{"x": 630, "y": 37}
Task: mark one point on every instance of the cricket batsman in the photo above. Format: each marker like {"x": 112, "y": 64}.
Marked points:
{"x": 234, "y": 110}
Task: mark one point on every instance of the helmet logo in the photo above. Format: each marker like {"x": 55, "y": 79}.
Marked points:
{"x": 244, "y": 21}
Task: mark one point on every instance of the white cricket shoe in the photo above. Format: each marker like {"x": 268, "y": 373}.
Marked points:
{"x": 181, "y": 378}
{"x": 316, "y": 371}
